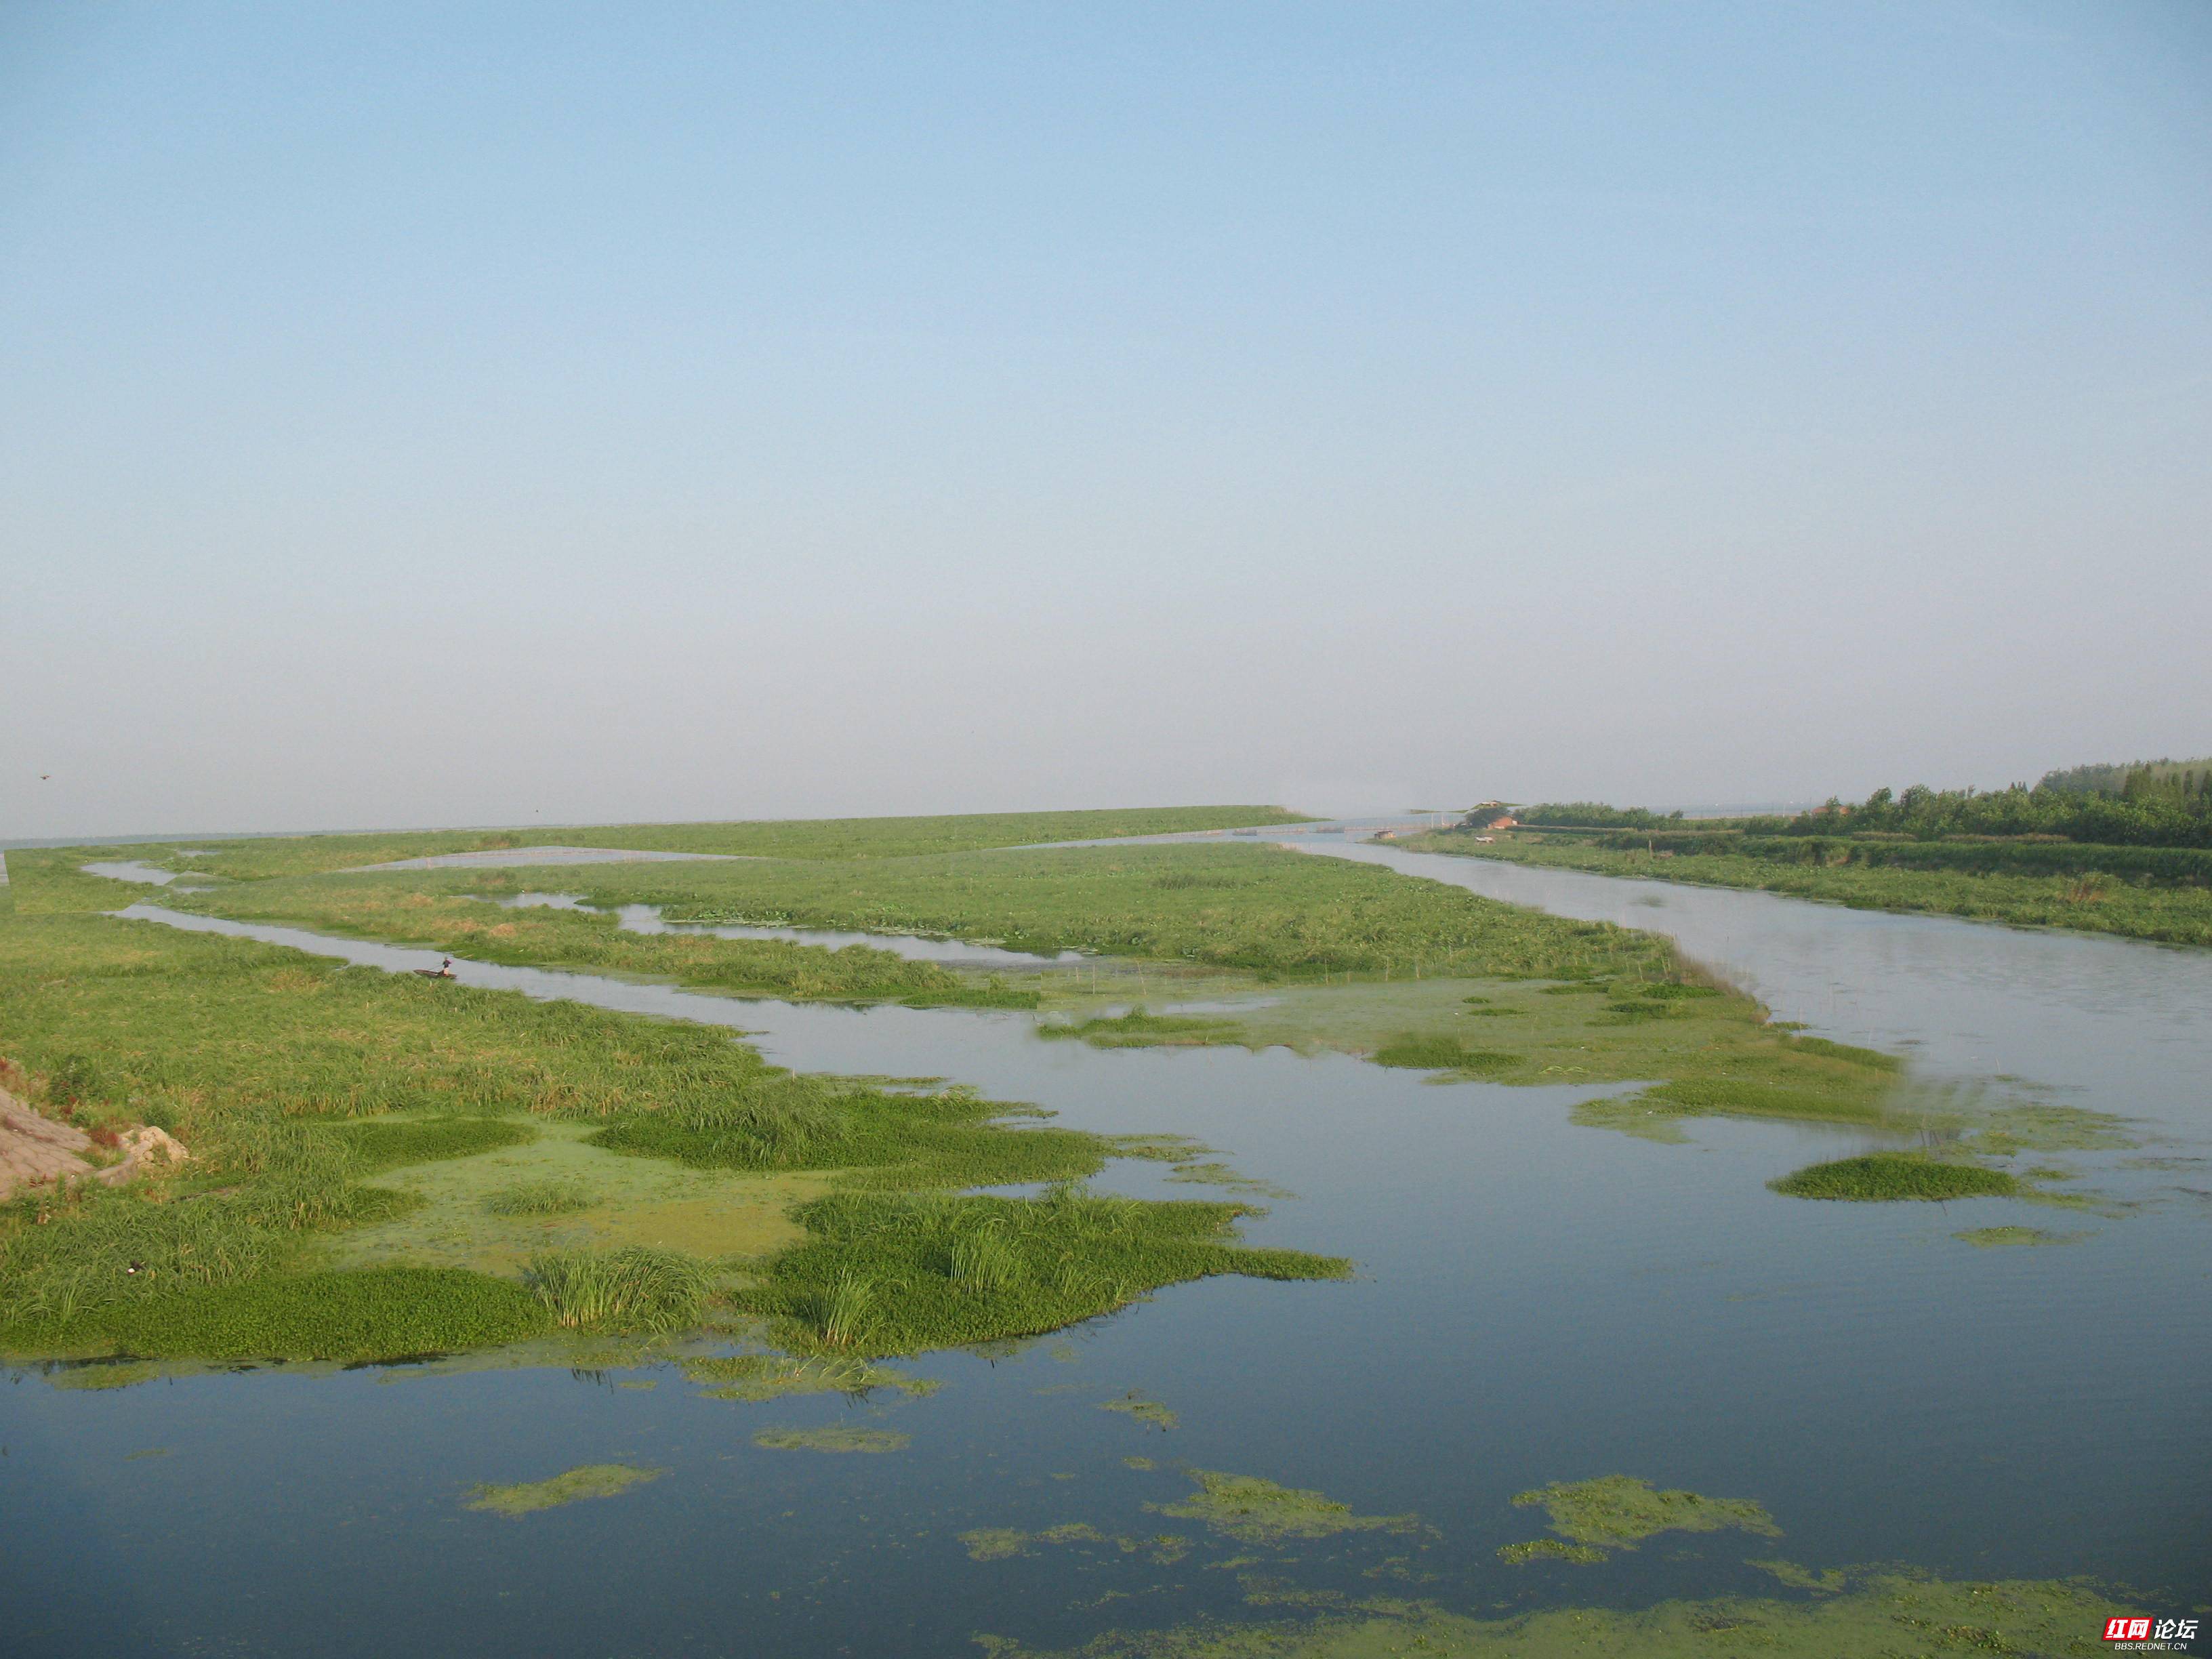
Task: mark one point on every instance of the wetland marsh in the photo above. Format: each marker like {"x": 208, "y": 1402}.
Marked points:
{"x": 1631, "y": 1334}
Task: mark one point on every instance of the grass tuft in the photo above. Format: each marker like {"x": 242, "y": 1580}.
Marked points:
{"x": 1881, "y": 1177}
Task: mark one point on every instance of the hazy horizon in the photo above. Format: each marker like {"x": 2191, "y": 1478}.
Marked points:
{"x": 621, "y": 414}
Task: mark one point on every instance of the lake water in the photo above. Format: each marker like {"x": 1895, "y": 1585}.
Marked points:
{"x": 1535, "y": 1302}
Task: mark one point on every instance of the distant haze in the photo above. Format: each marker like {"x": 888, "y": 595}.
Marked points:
{"x": 417, "y": 415}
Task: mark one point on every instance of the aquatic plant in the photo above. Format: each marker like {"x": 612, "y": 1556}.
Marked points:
{"x": 843, "y": 1309}
{"x": 592, "y": 1481}
{"x": 842, "y": 1438}
{"x": 1519, "y": 1555}
{"x": 1620, "y": 1511}
{"x": 1887, "y": 1613}
{"x": 1433, "y": 1052}
{"x": 1883, "y": 1177}
{"x": 1254, "y": 1510}
{"x": 1054, "y": 1259}
{"x": 1139, "y": 1029}
{"x": 632, "y": 1289}
{"x": 556, "y": 1196}
{"x": 1151, "y": 1412}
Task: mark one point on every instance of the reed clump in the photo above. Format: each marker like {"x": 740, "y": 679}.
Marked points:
{"x": 635, "y": 1288}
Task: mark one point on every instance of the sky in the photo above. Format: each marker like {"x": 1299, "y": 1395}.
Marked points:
{"x": 507, "y": 415}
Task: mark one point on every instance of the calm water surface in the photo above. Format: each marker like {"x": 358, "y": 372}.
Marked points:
{"x": 1536, "y": 1302}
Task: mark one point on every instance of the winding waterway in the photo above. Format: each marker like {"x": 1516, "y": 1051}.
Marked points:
{"x": 1536, "y": 1302}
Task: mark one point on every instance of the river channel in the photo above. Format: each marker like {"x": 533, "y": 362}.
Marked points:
{"x": 1535, "y": 1302}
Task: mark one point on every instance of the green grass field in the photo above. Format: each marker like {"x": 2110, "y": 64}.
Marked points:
{"x": 2090, "y": 902}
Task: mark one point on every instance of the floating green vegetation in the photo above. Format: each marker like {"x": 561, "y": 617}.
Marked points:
{"x": 1253, "y": 1510}
{"x": 757, "y": 1377}
{"x": 1139, "y": 1463}
{"x": 103, "y": 1374}
{"x": 1827, "y": 1581}
{"x": 1414, "y": 1051}
{"x": 995, "y": 1543}
{"x": 592, "y": 1481}
{"x": 1223, "y": 1176}
{"x": 1149, "y": 1413}
{"x": 1883, "y": 1177}
{"x": 1631, "y": 1115}
{"x": 1003, "y": 1543}
{"x": 842, "y": 1438}
{"x": 1619, "y": 1510}
{"x": 557, "y": 1195}
{"x": 1137, "y": 1029}
{"x": 633, "y": 1289}
{"x": 1548, "y": 1549}
{"x": 1888, "y": 1614}
{"x": 1991, "y": 1238}
{"x": 2030, "y": 1127}
{"x": 899, "y": 1273}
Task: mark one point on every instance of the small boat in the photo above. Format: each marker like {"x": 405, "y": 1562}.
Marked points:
{"x": 444, "y": 970}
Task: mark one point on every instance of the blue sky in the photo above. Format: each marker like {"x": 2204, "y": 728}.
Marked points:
{"x": 417, "y": 415}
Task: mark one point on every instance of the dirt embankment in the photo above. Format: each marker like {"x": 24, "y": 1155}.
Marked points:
{"x": 36, "y": 1150}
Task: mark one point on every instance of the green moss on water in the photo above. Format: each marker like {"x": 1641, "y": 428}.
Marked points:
{"x": 1990, "y": 1238}
{"x": 1254, "y": 1510}
{"x": 1632, "y": 1114}
{"x": 995, "y": 1543}
{"x": 1826, "y": 1581}
{"x": 836, "y": 1439}
{"x": 1548, "y": 1549}
{"x": 558, "y": 1195}
{"x": 1890, "y": 1615}
{"x": 1620, "y": 1511}
{"x": 1151, "y": 1412}
{"x": 1225, "y": 1177}
{"x": 776, "y": 1376}
{"x": 2006, "y": 1130}
{"x": 1887, "y": 1177}
{"x": 1138, "y": 1029}
{"x": 592, "y": 1481}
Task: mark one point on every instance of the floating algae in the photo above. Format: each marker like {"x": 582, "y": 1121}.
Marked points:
{"x": 1002, "y": 1543}
{"x": 592, "y": 1480}
{"x": 1992, "y": 1238}
{"x": 839, "y": 1439}
{"x": 1631, "y": 1115}
{"x": 776, "y": 1376}
{"x": 1552, "y": 1549}
{"x": 1256, "y": 1511}
{"x": 1620, "y": 1510}
{"x": 1221, "y": 1175}
{"x": 1826, "y": 1583}
{"x": 1890, "y": 1614}
{"x": 1145, "y": 1411}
